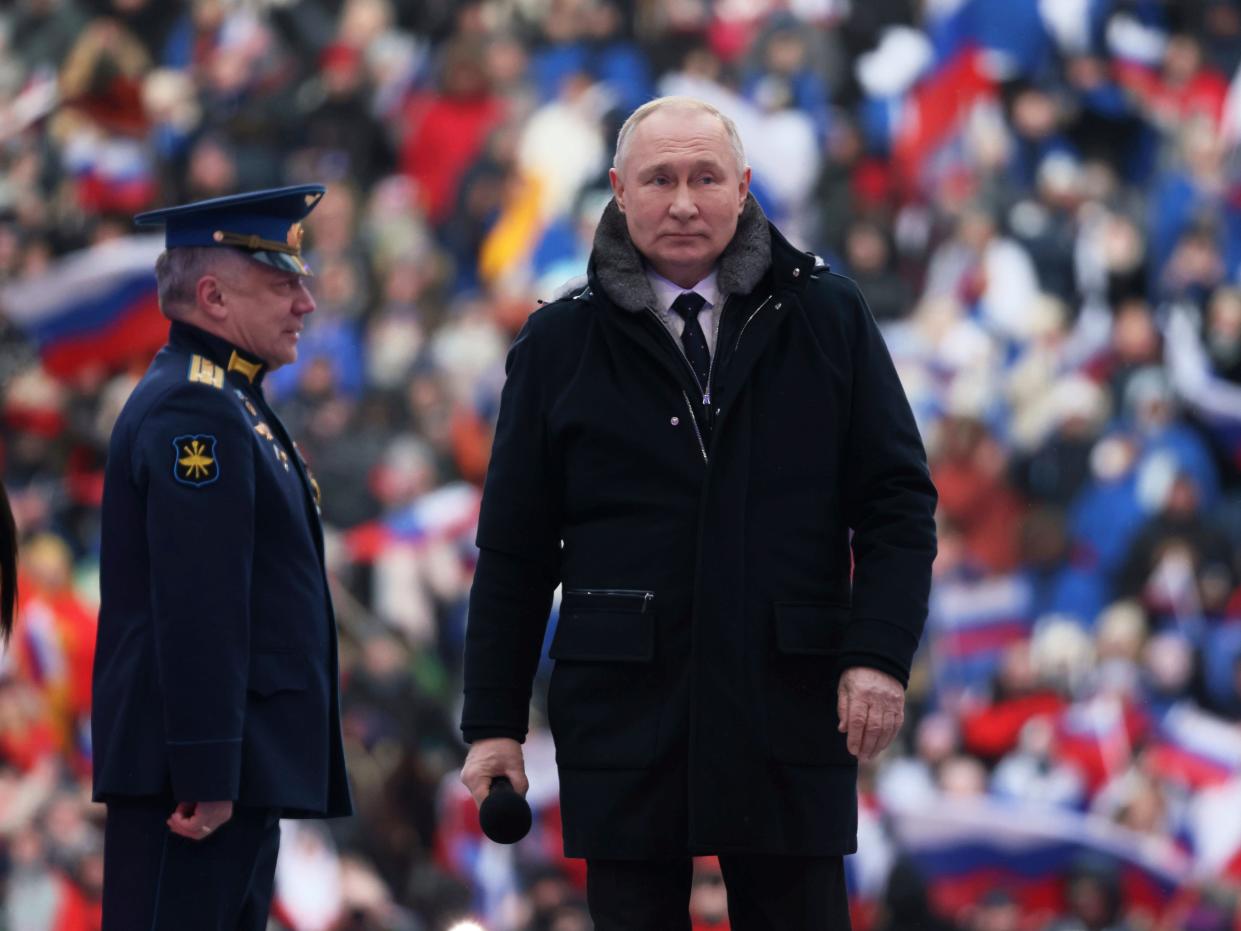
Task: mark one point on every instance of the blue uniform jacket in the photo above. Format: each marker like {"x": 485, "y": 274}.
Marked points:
{"x": 216, "y": 667}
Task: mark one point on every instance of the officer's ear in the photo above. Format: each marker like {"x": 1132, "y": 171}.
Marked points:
{"x": 210, "y": 294}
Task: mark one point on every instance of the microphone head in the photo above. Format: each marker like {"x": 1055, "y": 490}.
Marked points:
{"x": 505, "y": 815}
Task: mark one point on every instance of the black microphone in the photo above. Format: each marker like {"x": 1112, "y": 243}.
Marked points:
{"x": 504, "y": 814}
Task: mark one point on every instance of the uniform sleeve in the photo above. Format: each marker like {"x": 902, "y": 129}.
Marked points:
{"x": 196, "y": 460}
{"x": 518, "y": 567}
{"x": 890, "y": 507}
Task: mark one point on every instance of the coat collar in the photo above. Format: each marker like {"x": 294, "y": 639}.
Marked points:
{"x": 617, "y": 266}
{"x": 617, "y": 269}
{"x": 249, "y": 367}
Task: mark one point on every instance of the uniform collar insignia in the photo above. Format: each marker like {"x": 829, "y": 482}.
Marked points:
{"x": 218, "y": 350}
{"x": 247, "y": 368}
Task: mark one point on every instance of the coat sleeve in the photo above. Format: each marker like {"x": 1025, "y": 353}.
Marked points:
{"x": 890, "y": 507}
{"x": 519, "y": 554}
{"x": 195, "y": 459}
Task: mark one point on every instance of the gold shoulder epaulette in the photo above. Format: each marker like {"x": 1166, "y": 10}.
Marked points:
{"x": 206, "y": 372}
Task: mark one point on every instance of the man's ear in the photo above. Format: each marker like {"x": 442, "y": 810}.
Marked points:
{"x": 618, "y": 189}
{"x": 210, "y": 297}
{"x": 743, "y": 189}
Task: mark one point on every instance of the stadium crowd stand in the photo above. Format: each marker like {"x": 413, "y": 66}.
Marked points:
{"x": 1042, "y": 203}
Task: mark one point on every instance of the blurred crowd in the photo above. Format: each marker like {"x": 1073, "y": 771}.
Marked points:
{"x": 1042, "y": 203}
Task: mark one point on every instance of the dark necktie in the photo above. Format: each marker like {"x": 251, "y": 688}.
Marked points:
{"x": 688, "y": 305}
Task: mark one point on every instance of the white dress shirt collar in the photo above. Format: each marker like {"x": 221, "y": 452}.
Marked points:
{"x": 668, "y": 291}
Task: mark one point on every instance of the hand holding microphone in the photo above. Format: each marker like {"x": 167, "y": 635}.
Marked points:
{"x": 495, "y": 774}
{"x": 504, "y": 815}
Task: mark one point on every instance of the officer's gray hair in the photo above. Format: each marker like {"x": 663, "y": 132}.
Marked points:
{"x": 177, "y": 272}
{"x": 681, "y": 103}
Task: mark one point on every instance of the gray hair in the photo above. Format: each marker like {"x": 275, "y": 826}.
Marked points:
{"x": 178, "y": 270}
{"x": 682, "y": 103}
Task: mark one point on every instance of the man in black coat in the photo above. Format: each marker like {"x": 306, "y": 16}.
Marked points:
{"x": 215, "y": 684}
{"x": 707, "y": 446}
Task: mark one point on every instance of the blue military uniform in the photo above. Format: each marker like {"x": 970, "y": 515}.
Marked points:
{"x": 216, "y": 664}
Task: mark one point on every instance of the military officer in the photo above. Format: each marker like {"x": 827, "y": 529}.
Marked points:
{"x": 216, "y": 710}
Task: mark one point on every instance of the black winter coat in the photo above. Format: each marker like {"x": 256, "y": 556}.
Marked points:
{"x": 704, "y": 551}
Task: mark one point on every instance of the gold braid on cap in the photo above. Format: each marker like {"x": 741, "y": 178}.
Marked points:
{"x": 291, "y": 246}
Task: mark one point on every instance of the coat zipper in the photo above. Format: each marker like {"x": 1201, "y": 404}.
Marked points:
{"x": 715, "y": 343}
{"x": 647, "y": 597}
{"x": 693, "y": 418}
{"x": 706, "y": 395}
{"x": 704, "y": 391}
{"x": 751, "y": 317}
{"x": 680, "y": 349}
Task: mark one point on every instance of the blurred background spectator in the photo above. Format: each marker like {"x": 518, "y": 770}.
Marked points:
{"x": 1042, "y": 203}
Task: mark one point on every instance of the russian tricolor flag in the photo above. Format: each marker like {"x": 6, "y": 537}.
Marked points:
{"x": 449, "y": 512}
{"x": 967, "y": 847}
{"x": 937, "y": 108}
{"x": 95, "y": 306}
{"x": 972, "y": 622}
{"x": 1195, "y": 748}
{"x": 111, "y": 173}
{"x": 1097, "y": 736}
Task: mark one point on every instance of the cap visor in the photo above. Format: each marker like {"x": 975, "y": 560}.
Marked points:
{"x": 282, "y": 261}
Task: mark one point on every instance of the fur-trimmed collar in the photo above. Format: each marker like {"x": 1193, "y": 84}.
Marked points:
{"x": 618, "y": 266}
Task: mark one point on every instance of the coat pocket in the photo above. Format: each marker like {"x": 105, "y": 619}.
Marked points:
{"x": 605, "y": 625}
{"x": 801, "y": 688}
{"x": 271, "y": 673}
{"x": 602, "y": 706}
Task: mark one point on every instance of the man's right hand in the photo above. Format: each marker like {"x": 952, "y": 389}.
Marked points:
{"x": 495, "y": 756}
{"x": 197, "y": 820}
